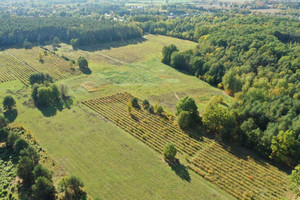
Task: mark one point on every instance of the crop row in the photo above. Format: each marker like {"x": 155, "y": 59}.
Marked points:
{"x": 239, "y": 175}
{"x": 52, "y": 64}
{"x": 152, "y": 129}
{"x": 10, "y": 68}
{"x": 233, "y": 171}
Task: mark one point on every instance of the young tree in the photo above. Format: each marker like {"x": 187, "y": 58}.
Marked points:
{"x": 43, "y": 189}
{"x": 40, "y": 78}
{"x": 20, "y": 145}
{"x": 159, "y": 110}
{"x": 151, "y": 109}
{"x": 56, "y": 42}
{"x": 285, "y": 147}
{"x": 71, "y": 188}
{"x": 44, "y": 96}
{"x": 146, "y": 104}
{"x": 167, "y": 52}
{"x": 218, "y": 119}
{"x": 75, "y": 43}
{"x": 24, "y": 170}
{"x": 40, "y": 57}
{"x": 184, "y": 120}
{"x": 64, "y": 91}
{"x": 9, "y": 103}
{"x": 83, "y": 64}
{"x": 169, "y": 152}
{"x": 11, "y": 139}
{"x": 3, "y": 122}
{"x": 40, "y": 171}
{"x": 232, "y": 83}
{"x": 178, "y": 60}
{"x": 186, "y": 104}
{"x": 135, "y": 103}
{"x": 295, "y": 181}
{"x": 187, "y": 110}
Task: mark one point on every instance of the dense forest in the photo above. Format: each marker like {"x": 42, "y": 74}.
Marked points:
{"x": 256, "y": 60}
{"x": 17, "y": 30}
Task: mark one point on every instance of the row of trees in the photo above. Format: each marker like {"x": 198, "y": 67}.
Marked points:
{"x": 82, "y": 31}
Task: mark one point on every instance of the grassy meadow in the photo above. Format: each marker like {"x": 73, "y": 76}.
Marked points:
{"x": 112, "y": 163}
{"x": 136, "y": 68}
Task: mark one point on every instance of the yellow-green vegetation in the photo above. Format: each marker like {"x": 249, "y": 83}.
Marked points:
{"x": 45, "y": 61}
{"x": 11, "y": 68}
{"x": 107, "y": 159}
{"x": 112, "y": 163}
{"x": 236, "y": 172}
{"x": 136, "y": 68}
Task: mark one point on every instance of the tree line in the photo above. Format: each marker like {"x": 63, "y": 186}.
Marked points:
{"x": 256, "y": 60}
{"x": 84, "y": 31}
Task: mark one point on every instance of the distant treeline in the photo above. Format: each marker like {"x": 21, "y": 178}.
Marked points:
{"x": 16, "y": 30}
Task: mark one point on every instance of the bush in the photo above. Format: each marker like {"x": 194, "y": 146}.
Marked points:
{"x": 40, "y": 78}
{"x": 3, "y": 122}
{"x": 83, "y": 65}
{"x": 9, "y": 103}
{"x": 135, "y": 103}
{"x": 24, "y": 170}
{"x": 146, "y": 104}
{"x": 20, "y": 145}
{"x": 12, "y": 138}
{"x": 170, "y": 152}
{"x": 71, "y": 188}
{"x": 184, "y": 120}
{"x": 151, "y": 109}
{"x": 159, "y": 110}
{"x": 40, "y": 171}
{"x": 43, "y": 189}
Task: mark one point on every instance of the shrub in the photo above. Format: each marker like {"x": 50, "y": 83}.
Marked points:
{"x": 184, "y": 120}
{"x": 170, "y": 152}
{"x": 151, "y": 109}
{"x": 9, "y": 103}
{"x": 3, "y": 122}
{"x": 12, "y": 138}
{"x": 40, "y": 78}
{"x": 159, "y": 110}
{"x": 135, "y": 103}
{"x": 43, "y": 189}
{"x": 71, "y": 188}
{"x": 40, "y": 171}
{"x": 24, "y": 170}
{"x": 146, "y": 104}
{"x": 19, "y": 145}
{"x": 83, "y": 65}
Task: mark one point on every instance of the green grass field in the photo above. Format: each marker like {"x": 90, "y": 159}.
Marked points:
{"x": 111, "y": 163}
{"x": 136, "y": 68}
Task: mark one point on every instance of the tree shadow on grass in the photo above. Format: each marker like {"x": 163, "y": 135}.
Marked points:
{"x": 11, "y": 115}
{"x": 109, "y": 45}
{"x": 51, "y": 110}
{"x": 180, "y": 170}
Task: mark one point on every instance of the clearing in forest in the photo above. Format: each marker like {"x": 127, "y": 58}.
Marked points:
{"x": 239, "y": 174}
{"x": 49, "y": 62}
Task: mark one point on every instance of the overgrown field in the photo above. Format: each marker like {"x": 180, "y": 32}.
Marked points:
{"x": 239, "y": 174}
{"x": 50, "y": 63}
